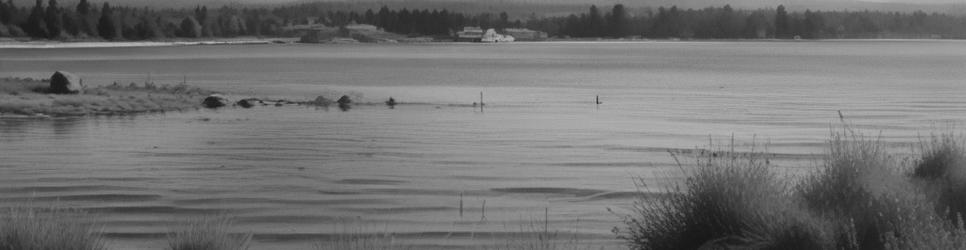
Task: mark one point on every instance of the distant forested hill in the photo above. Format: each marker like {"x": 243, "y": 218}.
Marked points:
{"x": 561, "y": 6}
{"x": 87, "y": 19}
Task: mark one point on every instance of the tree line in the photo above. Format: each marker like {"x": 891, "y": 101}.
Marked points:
{"x": 86, "y": 20}
{"x": 727, "y": 23}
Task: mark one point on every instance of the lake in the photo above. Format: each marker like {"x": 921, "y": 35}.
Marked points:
{"x": 296, "y": 175}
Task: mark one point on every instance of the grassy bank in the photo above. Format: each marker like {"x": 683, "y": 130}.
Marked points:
{"x": 28, "y": 97}
{"x": 861, "y": 197}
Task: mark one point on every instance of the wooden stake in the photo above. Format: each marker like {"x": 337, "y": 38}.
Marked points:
{"x": 546, "y": 221}
{"x": 481, "y": 101}
{"x": 483, "y": 216}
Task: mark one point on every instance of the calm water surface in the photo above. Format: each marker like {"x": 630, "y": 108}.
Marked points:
{"x": 295, "y": 175}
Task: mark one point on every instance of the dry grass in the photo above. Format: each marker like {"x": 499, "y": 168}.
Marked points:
{"x": 27, "y": 97}
{"x": 208, "y": 233}
{"x": 538, "y": 234}
{"x": 361, "y": 241}
{"x": 356, "y": 235}
{"x": 23, "y": 228}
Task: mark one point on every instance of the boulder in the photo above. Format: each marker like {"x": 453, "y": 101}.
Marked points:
{"x": 215, "y": 101}
{"x": 63, "y": 82}
{"x": 322, "y": 101}
{"x": 344, "y": 100}
{"x": 247, "y": 103}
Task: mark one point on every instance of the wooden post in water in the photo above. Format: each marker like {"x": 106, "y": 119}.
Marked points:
{"x": 546, "y": 221}
{"x": 483, "y": 215}
{"x": 461, "y": 204}
{"x": 481, "y": 101}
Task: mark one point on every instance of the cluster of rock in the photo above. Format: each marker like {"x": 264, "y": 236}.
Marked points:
{"x": 219, "y": 100}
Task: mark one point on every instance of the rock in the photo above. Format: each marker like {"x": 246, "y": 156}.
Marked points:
{"x": 215, "y": 101}
{"x": 63, "y": 82}
{"x": 322, "y": 101}
{"x": 344, "y": 100}
{"x": 247, "y": 103}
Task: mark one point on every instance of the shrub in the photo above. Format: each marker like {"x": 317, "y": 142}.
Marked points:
{"x": 726, "y": 203}
{"x": 941, "y": 171}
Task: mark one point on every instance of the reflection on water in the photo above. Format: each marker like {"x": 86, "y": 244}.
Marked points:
{"x": 292, "y": 172}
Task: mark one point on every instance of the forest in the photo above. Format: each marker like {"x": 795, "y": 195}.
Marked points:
{"x": 88, "y": 21}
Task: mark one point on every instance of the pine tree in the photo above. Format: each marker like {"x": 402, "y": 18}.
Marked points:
{"x": 618, "y": 21}
{"x": 594, "y": 22}
{"x": 190, "y": 28}
{"x": 781, "y": 22}
{"x": 105, "y": 25}
{"x": 83, "y": 8}
{"x": 4, "y": 13}
{"x": 504, "y": 21}
{"x": 71, "y": 25}
{"x": 54, "y": 20}
{"x": 35, "y": 26}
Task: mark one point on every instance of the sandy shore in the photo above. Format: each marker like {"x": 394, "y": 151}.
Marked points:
{"x": 46, "y": 44}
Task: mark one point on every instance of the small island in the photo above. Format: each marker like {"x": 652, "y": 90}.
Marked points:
{"x": 26, "y": 97}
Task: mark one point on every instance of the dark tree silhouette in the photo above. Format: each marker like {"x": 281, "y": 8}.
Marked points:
{"x": 70, "y": 24}
{"x": 105, "y": 25}
{"x": 782, "y": 27}
{"x": 595, "y": 23}
{"x": 35, "y": 26}
{"x": 190, "y": 28}
{"x": 54, "y": 20}
{"x": 619, "y": 21}
{"x": 723, "y": 22}
{"x": 4, "y": 13}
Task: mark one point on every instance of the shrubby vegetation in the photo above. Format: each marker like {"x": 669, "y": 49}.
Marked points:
{"x": 85, "y": 20}
{"x": 862, "y": 197}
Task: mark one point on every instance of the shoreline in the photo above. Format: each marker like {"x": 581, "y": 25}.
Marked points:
{"x": 49, "y": 44}
{"x": 29, "y": 98}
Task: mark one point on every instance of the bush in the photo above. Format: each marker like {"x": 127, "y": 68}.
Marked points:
{"x": 726, "y": 203}
{"x": 858, "y": 198}
{"x": 941, "y": 171}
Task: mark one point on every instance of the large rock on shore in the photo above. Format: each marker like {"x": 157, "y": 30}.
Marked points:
{"x": 215, "y": 101}
{"x": 63, "y": 82}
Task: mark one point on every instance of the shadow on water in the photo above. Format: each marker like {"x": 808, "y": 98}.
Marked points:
{"x": 61, "y": 127}
{"x": 67, "y": 126}
{"x": 344, "y": 107}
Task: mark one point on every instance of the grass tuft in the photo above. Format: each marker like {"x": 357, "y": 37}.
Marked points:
{"x": 208, "y": 233}
{"x": 356, "y": 236}
{"x": 23, "y": 228}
